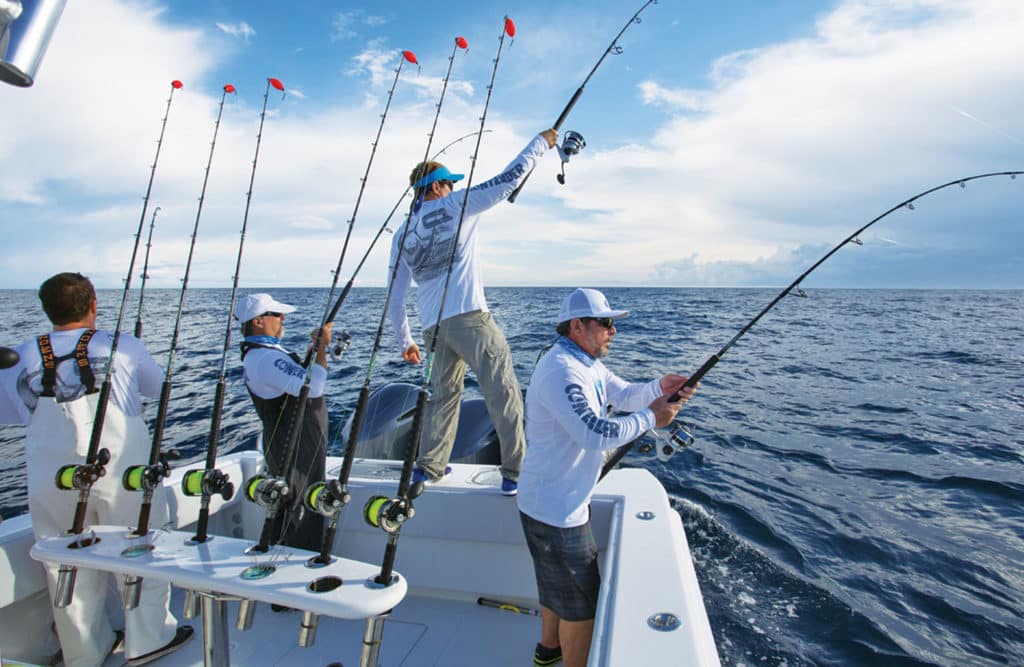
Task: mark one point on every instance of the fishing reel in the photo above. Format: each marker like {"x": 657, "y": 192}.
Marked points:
{"x": 572, "y": 143}
{"x": 147, "y": 478}
{"x": 326, "y": 498}
{"x": 269, "y": 493}
{"x": 669, "y": 441}
{"x": 207, "y": 483}
{"x": 78, "y": 477}
{"x": 388, "y": 514}
{"x": 344, "y": 338}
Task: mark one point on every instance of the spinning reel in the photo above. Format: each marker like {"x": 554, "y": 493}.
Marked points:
{"x": 572, "y": 143}
{"x": 669, "y": 441}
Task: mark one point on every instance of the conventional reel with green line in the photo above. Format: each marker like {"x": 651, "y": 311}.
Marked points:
{"x": 326, "y": 498}
{"x": 81, "y": 476}
{"x": 147, "y": 478}
{"x": 270, "y": 493}
{"x": 210, "y": 483}
{"x": 389, "y": 514}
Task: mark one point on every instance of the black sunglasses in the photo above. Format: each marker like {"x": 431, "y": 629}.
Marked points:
{"x": 271, "y": 314}
{"x": 605, "y": 322}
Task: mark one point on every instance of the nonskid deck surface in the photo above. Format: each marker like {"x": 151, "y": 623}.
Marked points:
{"x": 422, "y": 631}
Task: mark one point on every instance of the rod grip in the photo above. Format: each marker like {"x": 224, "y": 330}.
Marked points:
{"x": 695, "y": 378}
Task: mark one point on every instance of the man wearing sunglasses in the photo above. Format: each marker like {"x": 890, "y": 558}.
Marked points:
{"x": 568, "y": 431}
{"x": 273, "y": 375}
{"x": 447, "y": 270}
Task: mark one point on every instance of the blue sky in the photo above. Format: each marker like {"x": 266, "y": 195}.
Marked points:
{"x": 730, "y": 144}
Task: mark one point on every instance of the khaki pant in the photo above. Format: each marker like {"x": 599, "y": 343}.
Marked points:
{"x": 474, "y": 340}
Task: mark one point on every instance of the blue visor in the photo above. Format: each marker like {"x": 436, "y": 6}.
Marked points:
{"x": 439, "y": 174}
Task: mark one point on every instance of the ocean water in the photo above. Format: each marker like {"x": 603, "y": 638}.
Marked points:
{"x": 855, "y": 495}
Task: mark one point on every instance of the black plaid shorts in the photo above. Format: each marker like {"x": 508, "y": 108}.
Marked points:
{"x": 565, "y": 564}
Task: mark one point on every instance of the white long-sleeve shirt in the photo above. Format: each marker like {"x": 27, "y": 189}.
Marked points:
{"x": 135, "y": 374}
{"x": 428, "y": 246}
{"x": 568, "y": 429}
{"x": 270, "y": 372}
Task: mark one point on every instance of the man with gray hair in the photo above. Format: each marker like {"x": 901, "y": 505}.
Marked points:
{"x": 568, "y": 431}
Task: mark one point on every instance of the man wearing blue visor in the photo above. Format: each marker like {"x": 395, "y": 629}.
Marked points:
{"x": 466, "y": 333}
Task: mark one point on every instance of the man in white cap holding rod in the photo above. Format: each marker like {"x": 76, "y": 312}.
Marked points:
{"x": 568, "y": 431}
{"x": 272, "y": 376}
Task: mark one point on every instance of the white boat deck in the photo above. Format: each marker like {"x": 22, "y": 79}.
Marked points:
{"x": 465, "y": 542}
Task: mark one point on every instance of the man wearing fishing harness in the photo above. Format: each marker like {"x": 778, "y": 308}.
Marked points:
{"x": 468, "y": 334}
{"x": 568, "y": 431}
{"x": 53, "y": 389}
{"x": 272, "y": 375}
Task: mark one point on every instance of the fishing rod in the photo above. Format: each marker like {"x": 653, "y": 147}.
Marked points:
{"x": 574, "y": 142}
{"x": 678, "y": 439}
{"x": 328, "y": 498}
{"x": 81, "y": 477}
{"x": 380, "y": 511}
{"x": 145, "y": 274}
{"x": 274, "y": 493}
{"x": 147, "y": 478}
{"x": 210, "y": 481}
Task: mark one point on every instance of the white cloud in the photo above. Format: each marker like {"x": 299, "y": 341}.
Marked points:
{"x": 240, "y": 29}
{"x": 789, "y": 147}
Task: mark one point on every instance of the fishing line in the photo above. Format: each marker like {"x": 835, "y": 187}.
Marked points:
{"x": 82, "y": 477}
{"x": 256, "y": 486}
{"x": 575, "y": 141}
{"x": 328, "y": 498}
{"x": 210, "y": 481}
{"x": 390, "y": 514}
{"x": 147, "y": 478}
{"x": 145, "y": 274}
{"x": 793, "y": 289}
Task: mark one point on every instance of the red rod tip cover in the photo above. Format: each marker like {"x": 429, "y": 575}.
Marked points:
{"x": 276, "y": 83}
{"x": 510, "y": 27}
{"x": 177, "y": 84}
{"x": 461, "y": 42}
{"x": 411, "y": 57}
{"x": 228, "y": 88}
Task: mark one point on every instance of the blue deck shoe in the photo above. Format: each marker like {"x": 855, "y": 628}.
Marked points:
{"x": 508, "y": 487}
{"x": 420, "y": 475}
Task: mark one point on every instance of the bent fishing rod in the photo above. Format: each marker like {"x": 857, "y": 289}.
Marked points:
{"x": 81, "y": 477}
{"x": 145, "y": 274}
{"x": 274, "y": 493}
{"x": 210, "y": 481}
{"x": 613, "y": 48}
{"x": 147, "y": 478}
{"x": 794, "y": 289}
{"x": 328, "y": 498}
{"x": 380, "y": 511}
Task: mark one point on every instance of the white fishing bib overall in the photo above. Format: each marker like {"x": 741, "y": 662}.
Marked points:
{"x": 58, "y": 434}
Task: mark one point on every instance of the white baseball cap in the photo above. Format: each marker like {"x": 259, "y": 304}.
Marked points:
{"x": 587, "y": 303}
{"x": 254, "y": 305}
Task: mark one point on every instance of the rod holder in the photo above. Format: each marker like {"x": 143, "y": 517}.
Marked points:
{"x": 246, "y": 610}
{"x": 307, "y": 629}
{"x": 132, "y": 592}
{"x": 66, "y": 576}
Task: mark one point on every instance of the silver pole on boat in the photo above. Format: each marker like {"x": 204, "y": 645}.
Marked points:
{"x": 307, "y": 628}
{"x": 216, "y": 650}
{"x": 372, "y": 639}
